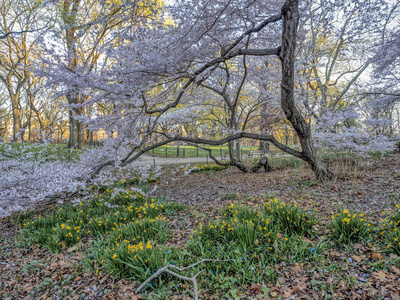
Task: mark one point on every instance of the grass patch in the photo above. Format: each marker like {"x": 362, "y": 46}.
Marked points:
{"x": 190, "y": 151}
{"x": 48, "y": 152}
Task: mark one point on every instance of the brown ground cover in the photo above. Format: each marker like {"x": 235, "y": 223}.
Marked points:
{"x": 362, "y": 271}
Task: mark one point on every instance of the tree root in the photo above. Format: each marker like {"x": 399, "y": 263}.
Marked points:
{"x": 166, "y": 269}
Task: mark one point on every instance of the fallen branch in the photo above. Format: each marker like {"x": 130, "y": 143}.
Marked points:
{"x": 166, "y": 269}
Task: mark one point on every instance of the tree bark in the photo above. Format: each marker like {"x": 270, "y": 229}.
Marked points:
{"x": 16, "y": 114}
{"x": 72, "y": 130}
{"x": 290, "y": 15}
{"x": 238, "y": 151}
{"x": 69, "y": 15}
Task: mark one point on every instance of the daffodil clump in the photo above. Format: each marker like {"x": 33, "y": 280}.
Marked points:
{"x": 254, "y": 240}
{"x": 390, "y": 229}
{"x": 347, "y": 227}
{"x": 242, "y": 212}
{"x": 208, "y": 167}
{"x": 395, "y": 216}
{"x": 128, "y": 230}
{"x": 130, "y": 251}
{"x": 101, "y": 215}
{"x": 119, "y": 259}
{"x": 245, "y": 233}
{"x": 290, "y": 218}
{"x": 243, "y": 225}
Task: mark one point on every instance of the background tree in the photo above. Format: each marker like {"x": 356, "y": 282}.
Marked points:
{"x": 18, "y": 20}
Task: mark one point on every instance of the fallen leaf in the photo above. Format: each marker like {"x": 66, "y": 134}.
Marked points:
{"x": 72, "y": 249}
{"x": 380, "y": 275}
{"x": 287, "y": 293}
{"x": 395, "y": 270}
{"x": 377, "y": 256}
{"x": 255, "y": 288}
{"x": 356, "y": 258}
{"x": 357, "y": 246}
{"x": 281, "y": 279}
{"x": 297, "y": 268}
{"x": 395, "y": 295}
{"x": 300, "y": 290}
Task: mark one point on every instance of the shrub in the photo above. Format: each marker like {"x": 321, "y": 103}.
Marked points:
{"x": 208, "y": 167}
{"x": 285, "y": 162}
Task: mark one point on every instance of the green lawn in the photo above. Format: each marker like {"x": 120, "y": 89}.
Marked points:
{"x": 51, "y": 152}
{"x": 190, "y": 151}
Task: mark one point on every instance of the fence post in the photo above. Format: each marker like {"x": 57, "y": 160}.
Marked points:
{"x": 220, "y": 152}
{"x": 197, "y": 152}
{"x": 184, "y": 152}
{"x": 166, "y": 152}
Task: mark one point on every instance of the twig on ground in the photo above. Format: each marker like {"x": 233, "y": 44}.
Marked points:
{"x": 166, "y": 269}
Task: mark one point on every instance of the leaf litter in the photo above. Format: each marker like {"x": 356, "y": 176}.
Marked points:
{"x": 360, "y": 271}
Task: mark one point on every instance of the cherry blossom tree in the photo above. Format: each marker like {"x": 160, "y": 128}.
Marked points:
{"x": 147, "y": 85}
{"x": 335, "y": 58}
{"x": 386, "y": 60}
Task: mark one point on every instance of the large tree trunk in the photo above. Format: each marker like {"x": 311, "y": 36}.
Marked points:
{"x": 72, "y": 130}
{"x": 79, "y": 134}
{"x": 234, "y": 161}
{"x": 238, "y": 151}
{"x": 290, "y": 15}
{"x": 69, "y": 15}
{"x": 16, "y": 114}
